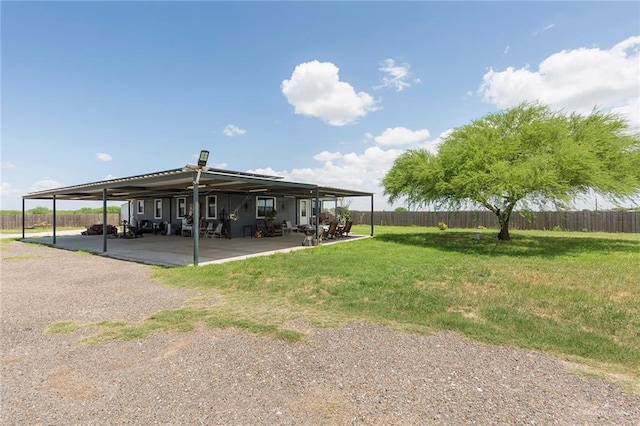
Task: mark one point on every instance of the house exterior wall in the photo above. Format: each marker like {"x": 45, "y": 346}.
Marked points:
{"x": 245, "y": 208}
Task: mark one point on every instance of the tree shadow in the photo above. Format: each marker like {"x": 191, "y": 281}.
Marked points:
{"x": 520, "y": 245}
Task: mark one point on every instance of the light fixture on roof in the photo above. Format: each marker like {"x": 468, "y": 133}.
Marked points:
{"x": 202, "y": 160}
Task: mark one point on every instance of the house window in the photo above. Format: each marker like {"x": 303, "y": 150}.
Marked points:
{"x": 264, "y": 205}
{"x": 157, "y": 210}
{"x": 181, "y": 210}
{"x": 140, "y": 207}
{"x": 211, "y": 206}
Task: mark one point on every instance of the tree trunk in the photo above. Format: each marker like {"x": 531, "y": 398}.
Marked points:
{"x": 504, "y": 232}
{"x": 504, "y": 226}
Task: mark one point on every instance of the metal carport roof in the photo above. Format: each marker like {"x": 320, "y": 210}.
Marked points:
{"x": 178, "y": 182}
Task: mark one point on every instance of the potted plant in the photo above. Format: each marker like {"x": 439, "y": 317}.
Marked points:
{"x": 271, "y": 215}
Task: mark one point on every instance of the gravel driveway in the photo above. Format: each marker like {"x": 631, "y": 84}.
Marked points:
{"x": 357, "y": 374}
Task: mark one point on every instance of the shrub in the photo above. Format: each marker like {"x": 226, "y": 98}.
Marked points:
{"x": 39, "y": 210}
{"x": 442, "y": 226}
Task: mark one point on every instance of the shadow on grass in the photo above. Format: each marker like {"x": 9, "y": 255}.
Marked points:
{"x": 520, "y": 245}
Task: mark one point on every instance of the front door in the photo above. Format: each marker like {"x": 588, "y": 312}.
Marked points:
{"x": 303, "y": 218}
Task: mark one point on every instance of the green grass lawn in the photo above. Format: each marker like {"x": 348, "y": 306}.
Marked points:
{"x": 576, "y": 295}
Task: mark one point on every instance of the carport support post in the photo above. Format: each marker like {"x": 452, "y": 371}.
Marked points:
{"x": 54, "y": 218}
{"x": 23, "y": 218}
{"x": 372, "y": 215}
{"x": 317, "y": 213}
{"x": 104, "y": 220}
{"x": 195, "y": 227}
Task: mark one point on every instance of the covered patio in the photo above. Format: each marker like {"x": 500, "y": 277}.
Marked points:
{"x": 195, "y": 182}
{"x": 174, "y": 251}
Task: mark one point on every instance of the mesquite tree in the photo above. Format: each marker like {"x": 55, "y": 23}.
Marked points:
{"x": 528, "y": 154}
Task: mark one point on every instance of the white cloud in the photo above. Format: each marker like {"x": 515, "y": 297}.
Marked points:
{"x": 630, "y": 109}
{"x": 434, "y": 145}
{"x": 398, "y": 136}
{"x": 103, "y": 157}
{"x": 231, "y": 130}
{"x": 6, "y": 190}
{"x": 576, "y": 80}
{"x": 315, "y": 90}
{"x": 6, "y": 165}
{"x": 543, "y": 29}
{"x": 359, "y": 171}
{"x": 506, "y": 50}
{"x": 10, "y": 196}
{"x": 327, "y": 156}
{"x": 397, "y": 75}
{"x": 45, "y": 184}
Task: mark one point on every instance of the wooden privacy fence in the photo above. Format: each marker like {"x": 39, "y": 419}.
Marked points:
{"x": 600, "y": 221}
{"x": 593, "y": 221}
{"x": 14, "y": 221}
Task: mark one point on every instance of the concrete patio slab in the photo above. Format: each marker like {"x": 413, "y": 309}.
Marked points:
{"x": 178, "y": 251}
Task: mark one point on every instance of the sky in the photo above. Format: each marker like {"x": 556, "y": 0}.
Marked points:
{"x": 317, "y": 92}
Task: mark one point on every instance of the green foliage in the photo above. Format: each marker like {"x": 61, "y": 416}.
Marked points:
{"x": 39, "y": 210}
{"x": 346, "y": 213}
{"x": 62, "y": 327}
{"x": 400, "y": 209}
{"x": 180, "y": 320}
{"x": 442, "y": 226}
{"x": 96, "y": 210}
{"x": 271, "y": 214}
{"x": 91, "y": 210}
{"x": 528, "y": 154}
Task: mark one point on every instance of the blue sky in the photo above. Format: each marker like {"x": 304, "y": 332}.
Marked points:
{"x": 319, "y": 92}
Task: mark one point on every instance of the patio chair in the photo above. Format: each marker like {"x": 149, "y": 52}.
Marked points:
{"x": 331, "y": 231}
{"x": 289, "y": 228}
{"x": 202, "y": 228}
{"x": 187, "y": 228}
{"x": 208, "y": 233}
{"x": 217, "y": 233}
{"x": 344, "y": 232}
{"x": 324, "y": 218}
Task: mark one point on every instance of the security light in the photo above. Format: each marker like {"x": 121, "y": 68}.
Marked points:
{"x": 202, "y": 160}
